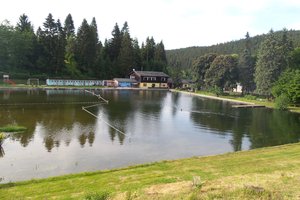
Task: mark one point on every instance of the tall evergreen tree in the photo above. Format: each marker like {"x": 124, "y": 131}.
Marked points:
{"x": 246, "y": 67}
{"x": 115, "y": 43}
{"x": 60, "y": 47}
{"x": 272, "y": 60}
{"x": 125, "y": 59}
{"x": 24, "y": 25}
{"x": 25, "y": 45}
{"x": 6, "y": 32}
{"x": 70, "y": 62}
{"x": 69, "y": 26}
{"x": 86, "y": 46}
{"x": 137, "y": 62}
{"x": 148, "y": 52}
{"x": 48, "y": 41}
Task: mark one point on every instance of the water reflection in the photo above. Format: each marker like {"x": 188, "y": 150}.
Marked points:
{"x": 263, "y": 126}
{"x": 154, "y": 125}
{"x": 273, "y": 127}
{"x": 2, "y": 153}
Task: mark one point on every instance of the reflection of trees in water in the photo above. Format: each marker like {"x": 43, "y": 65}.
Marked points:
{"x": 2, "y": 153}
{"x": 174, "y": 98}
{"x": 82, "y": 139}
{"x": 49, "y": 143}
{"x": 216, "y": 115}
{"x": 273, "y": 127}
{"x": 91, "y": 138}
{"x": 264, "y": 127}
{"x": 151, "y": 103}
{"x": 86, "y": 137}
{"x": 118, "y": 112}
{"x": 124, "y": 104}
{"x": 55, "y": 120}
{"x": 113, "y": 133}
{"x": 56, "y": 117}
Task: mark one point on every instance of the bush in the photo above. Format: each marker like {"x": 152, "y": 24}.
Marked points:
{"x": 282, "y": 102}
{"x": 250, "y": 97}
{"x": 2, "y": 137}
{"x": 216, "y": 90}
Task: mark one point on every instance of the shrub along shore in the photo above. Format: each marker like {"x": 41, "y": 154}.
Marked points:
{"x": 266, "y": 173}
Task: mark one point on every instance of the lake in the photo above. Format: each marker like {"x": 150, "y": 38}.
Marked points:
{"x": 135, "y": 127}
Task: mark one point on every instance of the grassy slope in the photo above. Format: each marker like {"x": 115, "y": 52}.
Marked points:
{"x": 265, "y": 173}
{"x": 242, "y": 99}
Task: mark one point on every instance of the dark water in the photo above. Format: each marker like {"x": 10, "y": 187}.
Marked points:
{"x": 154, "y": 125}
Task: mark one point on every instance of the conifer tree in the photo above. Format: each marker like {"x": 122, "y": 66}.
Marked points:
{"x": 115, "y": 43}
{"x": 246, "y": 67}
{"x": 136, "y": 55}
{"x": 69, "y": 26}
{"x": 86, "y": 46}
{"x": 24, "y": 25}
{"x": 272, "y": 60}
{"x": 60, "y": 47}
{"x": 48, "y": 41}
{"x": 125, "y": 59}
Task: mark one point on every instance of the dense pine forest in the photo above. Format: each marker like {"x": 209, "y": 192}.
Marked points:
{"x": 55, "y": 50}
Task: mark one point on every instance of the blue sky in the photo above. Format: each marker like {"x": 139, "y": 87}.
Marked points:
{"x": 178, "y": 23}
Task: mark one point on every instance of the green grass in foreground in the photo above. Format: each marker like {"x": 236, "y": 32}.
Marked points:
{"x": 12, "y": 128}
{"x": 267, "y": 173}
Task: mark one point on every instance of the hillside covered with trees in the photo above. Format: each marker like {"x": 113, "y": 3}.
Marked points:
{"x": 270, "y": 68}
{"x": 184, "y": 57}
{"x": 55, "y": 50}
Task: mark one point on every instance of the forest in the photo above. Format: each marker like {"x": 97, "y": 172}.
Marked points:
{"x": 184, "y": 57}
{"x": 266, "y": 66}
{"x": 55, "y": 50}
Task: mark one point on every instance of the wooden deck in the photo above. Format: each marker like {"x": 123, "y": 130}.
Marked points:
{"x": 248, "y": 106}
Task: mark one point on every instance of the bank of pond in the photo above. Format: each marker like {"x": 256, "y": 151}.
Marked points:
{"x": 265, "y": 173}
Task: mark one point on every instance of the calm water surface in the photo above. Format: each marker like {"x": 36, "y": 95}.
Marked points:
{"x": 62, "y": 138}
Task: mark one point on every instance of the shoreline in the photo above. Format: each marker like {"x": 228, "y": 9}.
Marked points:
{"x": 214, "y": 97}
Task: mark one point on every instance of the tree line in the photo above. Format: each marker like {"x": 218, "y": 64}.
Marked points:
{"x": 184, "y": 57}
{"x": 274, "y": 71}
{"x": 56, "y": 50}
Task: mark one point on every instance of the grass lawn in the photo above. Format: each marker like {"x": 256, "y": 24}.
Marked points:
{"x": 267, "y": 173}
{"x": 263, "y": 102}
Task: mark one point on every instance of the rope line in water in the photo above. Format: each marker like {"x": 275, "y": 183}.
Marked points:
{"x": 97, "y": 95}
{"x": 204, "y": 112}
{"x": 105, "y": 102}
{"x": 84, "y": 108}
